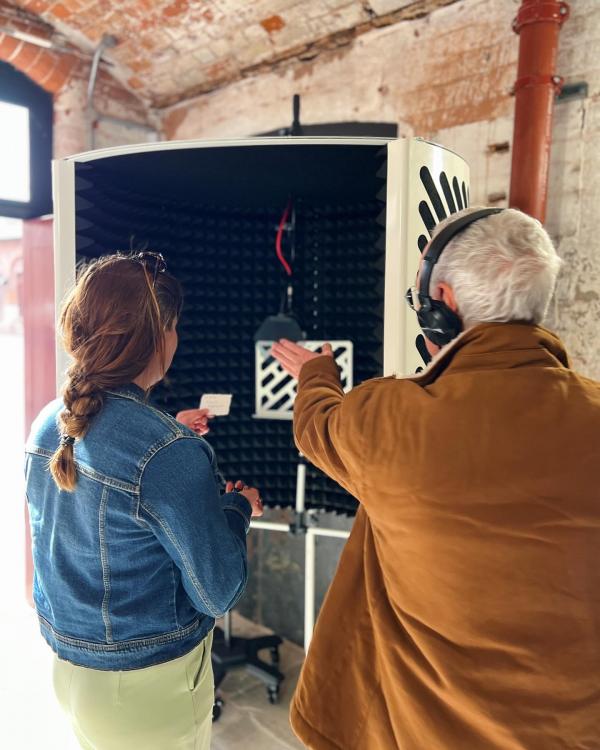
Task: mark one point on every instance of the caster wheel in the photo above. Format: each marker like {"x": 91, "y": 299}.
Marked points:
{"x": 273, "y": 693}
{"x": 274, "y": 655}
{"x": 217, "y": 709}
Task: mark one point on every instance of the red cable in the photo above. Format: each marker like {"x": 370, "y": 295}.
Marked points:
{"x": 278, "y": 249}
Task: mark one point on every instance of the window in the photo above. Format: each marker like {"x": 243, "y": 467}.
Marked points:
{"x": 25, "y": 146}
{"x": 14, "y": 153}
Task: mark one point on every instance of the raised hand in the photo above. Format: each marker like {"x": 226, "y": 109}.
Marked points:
{"x": 292, "y": 357}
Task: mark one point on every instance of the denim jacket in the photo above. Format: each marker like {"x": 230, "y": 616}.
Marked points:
{"x": 132, "y": 567}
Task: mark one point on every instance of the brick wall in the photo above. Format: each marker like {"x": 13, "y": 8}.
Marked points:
{"x": 455, "y": 65}
{"x": 574, "y": 182}
{"x": 64, "y": 73}
{"x": 48, "y": 68}
{"x": 70, "y": 124}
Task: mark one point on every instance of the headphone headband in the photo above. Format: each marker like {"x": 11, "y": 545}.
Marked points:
{"x": 438, "y": 322}
{"x": 439, "y": 242}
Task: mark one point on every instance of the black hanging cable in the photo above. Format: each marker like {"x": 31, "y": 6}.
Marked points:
{"x": 287, "y": 294}
{"x": 290, "y": 286}
{"x": 284, "y": 324}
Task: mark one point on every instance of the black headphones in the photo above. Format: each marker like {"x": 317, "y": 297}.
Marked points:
{"x": 438, "y": 322}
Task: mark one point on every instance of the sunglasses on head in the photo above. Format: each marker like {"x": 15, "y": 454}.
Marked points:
{"x": 154, "y": 263}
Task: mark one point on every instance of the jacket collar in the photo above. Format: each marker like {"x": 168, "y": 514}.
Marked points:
{"x": 497, "y": 345}
{"x": 130, "y": 390}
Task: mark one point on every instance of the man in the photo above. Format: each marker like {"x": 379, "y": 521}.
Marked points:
{"x": 465, "y": 611}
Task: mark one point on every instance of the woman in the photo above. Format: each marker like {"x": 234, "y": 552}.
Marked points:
{"x": 136, "y": 551}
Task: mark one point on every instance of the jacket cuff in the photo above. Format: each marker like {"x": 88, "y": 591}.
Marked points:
{"x": 237, "y": 503}
{"x": 323, "y": 365}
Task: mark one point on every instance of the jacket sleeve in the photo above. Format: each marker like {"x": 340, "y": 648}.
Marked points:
{"x": 203, "y": 531}
{"x": 329, "y": 425}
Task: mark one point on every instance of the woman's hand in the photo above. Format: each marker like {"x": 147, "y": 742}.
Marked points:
{"x": 292, "y": 356}
{"x": 251, "y": 495}
{"x": 195, "y": 419}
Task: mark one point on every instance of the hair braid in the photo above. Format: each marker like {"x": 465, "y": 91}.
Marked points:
{"x": 83, "y": 399}
{"x": 113, "y": 323}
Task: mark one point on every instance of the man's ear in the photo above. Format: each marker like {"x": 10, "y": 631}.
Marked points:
{"x": 446, "y": 295}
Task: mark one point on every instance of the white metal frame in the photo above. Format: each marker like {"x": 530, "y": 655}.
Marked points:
{"x": 63, "y": 191}
{"x": 310, "y": 551}
{"x": 282, "y": 385}
{"x": 403, "y": 226}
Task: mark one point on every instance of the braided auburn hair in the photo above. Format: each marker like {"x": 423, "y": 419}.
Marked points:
{"x": 112, "y": 325}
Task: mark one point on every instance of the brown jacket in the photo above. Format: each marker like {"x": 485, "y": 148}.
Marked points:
{"x": 465, "y": 612}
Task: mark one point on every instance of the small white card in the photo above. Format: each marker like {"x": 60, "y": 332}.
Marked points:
{"x": 218, "y": 404}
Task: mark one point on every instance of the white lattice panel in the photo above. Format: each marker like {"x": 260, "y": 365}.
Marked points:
{"x": 276, "y": 390}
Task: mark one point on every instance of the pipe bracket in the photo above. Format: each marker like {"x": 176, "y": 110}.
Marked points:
{"x": 549, "y": 11}
{"x": 524, "y": 81}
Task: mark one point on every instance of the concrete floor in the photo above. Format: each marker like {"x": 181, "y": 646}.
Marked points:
{"x": 248, "y": 720}
{"x": 30, "y": 718}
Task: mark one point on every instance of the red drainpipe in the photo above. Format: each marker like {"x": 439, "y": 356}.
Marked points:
{"x": 538, "y": 24}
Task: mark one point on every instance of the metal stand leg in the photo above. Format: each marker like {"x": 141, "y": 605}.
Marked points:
{"x": 301, "y": 486}
{"x": 227, "y": 629}
{"x": 309, "y": 588}
{"x": 300, "y": 525}
{"x": 229, "y": 652}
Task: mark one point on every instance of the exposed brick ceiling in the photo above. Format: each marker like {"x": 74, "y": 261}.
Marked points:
{"x": 170, "y": 50}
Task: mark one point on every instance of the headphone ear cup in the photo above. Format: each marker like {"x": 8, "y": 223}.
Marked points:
{"x": 439, "y": 324}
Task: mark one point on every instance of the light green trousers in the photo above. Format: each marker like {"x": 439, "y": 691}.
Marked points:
{"x": 164, "y": 707}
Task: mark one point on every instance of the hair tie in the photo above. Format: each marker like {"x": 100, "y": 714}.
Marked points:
{"x": 66, "y": 440}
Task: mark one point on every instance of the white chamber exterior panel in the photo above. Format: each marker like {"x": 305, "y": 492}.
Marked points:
{"x": 404, "y": 226}
{"x": 282, "y": 141}
{"x": 63, "y": 193}
{"x": 395, "y": 313}
{"x": 275, "y": 390}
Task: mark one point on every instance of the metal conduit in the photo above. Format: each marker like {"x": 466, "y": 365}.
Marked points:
{"x": 538, "y": 24}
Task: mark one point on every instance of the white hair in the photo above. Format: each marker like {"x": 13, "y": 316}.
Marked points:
{"x": 501, "y": 268}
